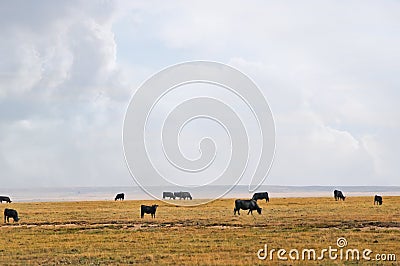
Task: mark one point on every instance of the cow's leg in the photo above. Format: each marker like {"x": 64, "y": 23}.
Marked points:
{"x": 238, "y": 210}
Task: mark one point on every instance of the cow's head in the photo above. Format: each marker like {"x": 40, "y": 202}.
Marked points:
{"x": 259, "y": 210}
{"x": 344, "y": 198}
{"x": 155, "y": 206}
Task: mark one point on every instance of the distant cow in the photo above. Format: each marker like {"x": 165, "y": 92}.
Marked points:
{"x": 260, "y": 195}
{"x": 183, "y": 195}
{"x": 377, "y": 200}
{"x": 169, "y": 195}
{"x": 10, "y": 213}
{"x": 5, "y": 198}
{"x": 250, "y": 205}
{"x": 148, "y": 209}
{"x": 120, "y": 196}
{"x": 338, "y": 195}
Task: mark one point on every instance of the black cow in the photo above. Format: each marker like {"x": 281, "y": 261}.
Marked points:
{"x": 5, "y": 198}
{"x": 169, "y": 195}
{"x": 338, "y": 195}
{"x": 10, "y": 213}
{"x": 120, "y": 196}
{"x": 250, "y": 205}
{"x": 260, "y": 195}
{"x": 183, "y": 195}
{"x": 148, "y": 209}
{"x": 378, "y": 200}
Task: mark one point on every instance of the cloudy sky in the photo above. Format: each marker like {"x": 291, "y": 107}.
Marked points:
{"x": 330, "y": 71}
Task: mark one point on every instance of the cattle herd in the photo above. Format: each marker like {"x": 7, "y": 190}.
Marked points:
{"x": 174, "y": 195}
{"x": 248, "y": 204}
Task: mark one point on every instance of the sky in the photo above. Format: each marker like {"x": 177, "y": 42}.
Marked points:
{"x": 328, "y": 69}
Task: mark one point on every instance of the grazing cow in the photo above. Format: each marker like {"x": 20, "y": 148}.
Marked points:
{"x": 5, "y": 198}
{"x": 260, "y": 195}
{"x": 148, "y": 209}
{"x": 120, "y": 196}
{"x": 250, "y": 205}
{"x": 378, "y": 200}
{"x": 10, "y": 213}
{"x": 338, "y": 195}
{"x": 183, "y": 195}
{"x": 169, "y": 195}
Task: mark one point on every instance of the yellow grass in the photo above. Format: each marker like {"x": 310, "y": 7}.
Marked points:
{"x": 108, "y": 232}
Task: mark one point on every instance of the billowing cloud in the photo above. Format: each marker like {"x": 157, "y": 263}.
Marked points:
{"x": 328, "y": 70}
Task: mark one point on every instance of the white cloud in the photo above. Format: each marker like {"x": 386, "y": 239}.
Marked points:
{"x": 328, "y": 70}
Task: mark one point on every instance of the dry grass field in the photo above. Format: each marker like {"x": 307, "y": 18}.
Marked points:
{"x": 108, "y": 232}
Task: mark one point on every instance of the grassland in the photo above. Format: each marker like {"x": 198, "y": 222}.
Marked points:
{"x": 108, "y": 232}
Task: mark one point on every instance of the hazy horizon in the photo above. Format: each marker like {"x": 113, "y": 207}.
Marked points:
{"x": 136, "y": 193}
